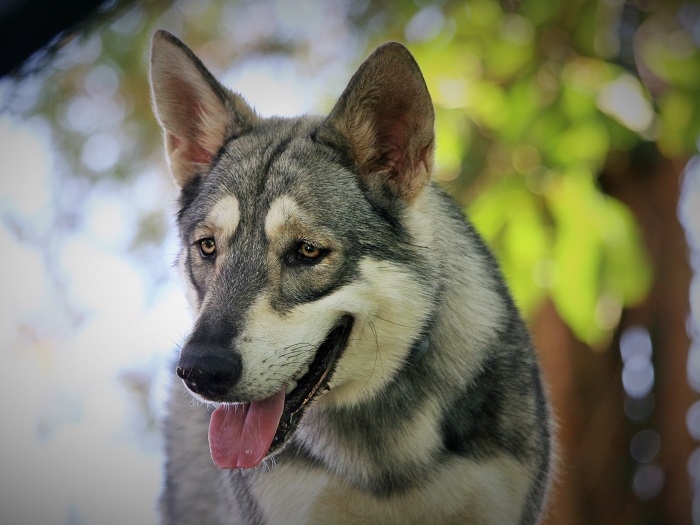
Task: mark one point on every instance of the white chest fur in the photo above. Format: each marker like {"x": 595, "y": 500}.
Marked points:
{"x": 457, "y": 492}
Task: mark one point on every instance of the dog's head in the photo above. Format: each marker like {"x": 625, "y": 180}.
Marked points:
{"x": 303, "y": 254}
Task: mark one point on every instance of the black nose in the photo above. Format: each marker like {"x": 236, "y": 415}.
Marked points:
{"x": 208, "y": 370}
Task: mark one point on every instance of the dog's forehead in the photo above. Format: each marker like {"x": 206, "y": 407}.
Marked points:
{"x": 270, "y": 167}
{"x": 254, "y": 165}
{"x": 223, "y": 217}
{"x": 274, "y": 173}
{"x": 282, "y": 212}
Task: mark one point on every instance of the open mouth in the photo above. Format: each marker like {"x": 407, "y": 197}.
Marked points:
{"x": 313, "y": 382}
{"x": 242, "y": 435}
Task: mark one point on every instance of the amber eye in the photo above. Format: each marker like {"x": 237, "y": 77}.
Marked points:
{"x": 305, "y": 253}
{"x": 309, "y": 251}
{"x": 207, "y": 247}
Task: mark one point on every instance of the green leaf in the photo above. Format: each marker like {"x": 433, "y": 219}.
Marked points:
{"x": 576, "y": 253}
{"x": 511, "y": 221}
{"x": 679, "y": 122}
{"x": 586, "y": 143}
{"x": 601, "y": 263}
{"x": 672, "y": 56}
{"x": 626, "y": 269}
{"x": 452, "y": 141}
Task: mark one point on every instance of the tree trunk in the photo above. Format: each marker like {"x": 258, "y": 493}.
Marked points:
{"x": 595, "y": 467}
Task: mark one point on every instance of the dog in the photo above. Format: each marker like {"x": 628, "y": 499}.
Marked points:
{"x": 355, "y": 356}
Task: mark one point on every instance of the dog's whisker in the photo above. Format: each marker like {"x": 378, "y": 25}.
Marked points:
{"x": 395, "y": 323}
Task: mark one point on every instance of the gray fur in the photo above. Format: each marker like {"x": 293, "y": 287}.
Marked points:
{"x": 465, "y": 396}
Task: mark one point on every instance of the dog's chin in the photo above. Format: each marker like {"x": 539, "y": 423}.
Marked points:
{"x": 313, "y": 384}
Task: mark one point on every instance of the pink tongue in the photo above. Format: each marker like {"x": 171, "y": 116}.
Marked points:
{"x": 241, "y": 435}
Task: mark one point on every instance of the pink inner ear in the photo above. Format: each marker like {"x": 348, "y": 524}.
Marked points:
{"x": 393, "y": 128}
{"x": 192, "y": 151}
{"x": 197, "y": 153}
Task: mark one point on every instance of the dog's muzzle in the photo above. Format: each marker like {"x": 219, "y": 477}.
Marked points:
{"x": 207, "y": 372}
{"x": 243, "y": 433}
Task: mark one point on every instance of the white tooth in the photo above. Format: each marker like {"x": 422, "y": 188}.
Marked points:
{"x": 291, "y": 386}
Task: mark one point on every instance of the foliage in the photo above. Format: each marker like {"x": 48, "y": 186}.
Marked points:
{"x": 531, "y": 102}
{"x": 532, "y": 97}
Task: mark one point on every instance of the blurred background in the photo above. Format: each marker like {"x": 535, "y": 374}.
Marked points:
{"x": 567, "y": 129}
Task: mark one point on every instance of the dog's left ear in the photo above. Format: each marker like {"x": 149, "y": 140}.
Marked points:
{"x": 385, "y": 118}
{"x": 197, "y": 114}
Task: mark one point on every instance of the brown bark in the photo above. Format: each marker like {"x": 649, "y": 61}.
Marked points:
{"x": 595, "y": 467}
{"x": 654, "y": 200}
{"x": 586, "y": 394}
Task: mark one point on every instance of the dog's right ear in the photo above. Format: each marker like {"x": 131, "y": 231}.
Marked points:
{"x": 385, "y": 121}
{"x": 197, "y": 114}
